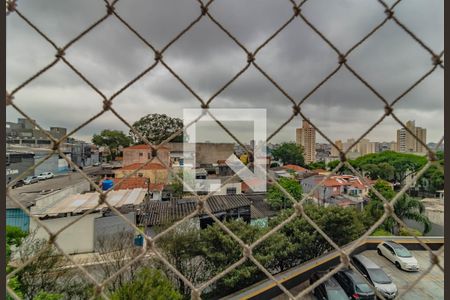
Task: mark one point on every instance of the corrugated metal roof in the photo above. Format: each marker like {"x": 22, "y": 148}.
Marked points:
{"x": 163, "y": 212}
{"x": 81, "y": 202}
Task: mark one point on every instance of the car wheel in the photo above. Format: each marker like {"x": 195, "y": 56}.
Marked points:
{"x": 397, "y": 264}
{"x": 379, "y": 252}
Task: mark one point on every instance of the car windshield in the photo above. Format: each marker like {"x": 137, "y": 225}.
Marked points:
{"x": 363, "y": 288}
{"x": 378, "y": 276}
{"x": 337, "y": 294}
{"x": 402, "y": 252}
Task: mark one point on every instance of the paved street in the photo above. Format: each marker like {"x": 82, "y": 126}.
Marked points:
{"x": 28, "y": 193}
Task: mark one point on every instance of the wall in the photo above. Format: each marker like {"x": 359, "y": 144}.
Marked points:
{"x": 18, "y": 218}
{"x": 16, "y": 168}
{"x": 133, "y": 156}
{"x": 105, "y": 227}
{"x": 155, "y": 176}
{"x": 50, "y": 165}
{"x": 77, "y": 238}
{"x": 207, "y": 153}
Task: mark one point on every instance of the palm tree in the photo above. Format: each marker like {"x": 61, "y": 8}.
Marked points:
{"x": 412, "y": 209}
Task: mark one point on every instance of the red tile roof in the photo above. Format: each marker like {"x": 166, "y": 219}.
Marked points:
{"x": 133, "y": 183}
{"x": 295, "y": 168}
{"x": 150, "y": 166}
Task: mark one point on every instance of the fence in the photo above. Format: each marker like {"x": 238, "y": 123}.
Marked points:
{"x": 436, "y": 62}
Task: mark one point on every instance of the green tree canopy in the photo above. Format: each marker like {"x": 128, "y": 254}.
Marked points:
{"x": 278, "y": 200}
{"x": 156, "y": 128}
{"x": 150, "y": 284}
{"x": 289, "y": 153}
{"x": 112, "y": 139}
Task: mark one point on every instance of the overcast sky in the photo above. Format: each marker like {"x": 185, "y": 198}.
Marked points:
{"x": 206, "y": 58}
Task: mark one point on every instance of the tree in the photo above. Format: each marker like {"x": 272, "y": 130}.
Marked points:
{"x": 182, "y": 248}
{"x": 289, "y": 153}
{"x": 14, "y": 237}
{"x": 112, "y": 139}
{"x": 44, "y": 272}
{"x": 149, "y": 284}
{"x": 405, "y": 208}
{"x": 278, "y": 200}
{"x": 317, "y": 165}
{"x": 156, "y": 128}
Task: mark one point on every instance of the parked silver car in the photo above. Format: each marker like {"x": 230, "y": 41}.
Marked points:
{"x": 381, "y": 281}
{"x": 31, "y": 179}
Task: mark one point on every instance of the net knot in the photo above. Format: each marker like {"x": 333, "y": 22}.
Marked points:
{"x": 9, "y": 99}
{"x": 11, "y": 6}
{"x": 102, "y": 198}
{"x": 250, "y": 57}
{"x": 389, "y": 209}
{"x": 342, "y": 59}
{"x": 60, "y": 53}
{"x": 158, "y": 56}
{"x": 55, "y": 145}
{"x": 106, "y": 105}
{"x": 297, "y": 11}
{"x": 110, "y": 9}
{"x": 388, "y": 110}
{"x": 389, "y": 13}
{"x": 298, "y": 209}
{"x": 436, "y": 59}
{"x": 204, "y": 9}
{"x": 296, "y": 110}
{"x": 247, "y": 251}
{"x": 342, "y": 156}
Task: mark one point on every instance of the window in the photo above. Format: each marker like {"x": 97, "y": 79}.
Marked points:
{"x": 231, "y": 191}
{"x": 141, "y": 154}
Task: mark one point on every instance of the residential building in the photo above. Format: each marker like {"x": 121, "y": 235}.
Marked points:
{"x": 140, "y": 154}
{"x": 306, "y": 137}
{"x": 83, "y": 236}
{"x": 365, "y": 147}
{"x": 406, "y": 142}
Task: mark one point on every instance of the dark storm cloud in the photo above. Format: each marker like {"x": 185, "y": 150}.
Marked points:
{"x": 298, "y": 59}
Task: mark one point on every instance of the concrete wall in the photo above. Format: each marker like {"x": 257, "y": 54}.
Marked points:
{"x": 16, "y": 168}
{"x": 207, "y": 153}
{"x": 107, "y": 227}
{"x": 50, "y": 165}
{"x": 77, "y": 238}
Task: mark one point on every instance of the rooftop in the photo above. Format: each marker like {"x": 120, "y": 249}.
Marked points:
{"x": 164, "y": 212}
{"x": 137, "y": 182}
{"x": 80, "y": 203}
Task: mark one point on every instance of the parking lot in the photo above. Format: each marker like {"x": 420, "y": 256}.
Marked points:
{"x": 28, "y": 193}
{"x": 431, "y": 286}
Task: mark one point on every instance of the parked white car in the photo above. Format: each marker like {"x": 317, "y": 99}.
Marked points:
{"x": 45, "y": 175}
{"x": 399, "y": 255}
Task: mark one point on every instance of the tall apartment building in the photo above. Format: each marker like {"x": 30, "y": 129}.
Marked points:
{"x": 306, "y": 137}
{"x": 334, "y": 151}
{"x": 406, "y": 142}
{"x": 365, "y": 147}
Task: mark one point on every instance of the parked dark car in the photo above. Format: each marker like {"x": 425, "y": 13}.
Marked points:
{"x": 354, "y": 285}
{"x": 19, "y": 183}
{"x": 328, "y": 290}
